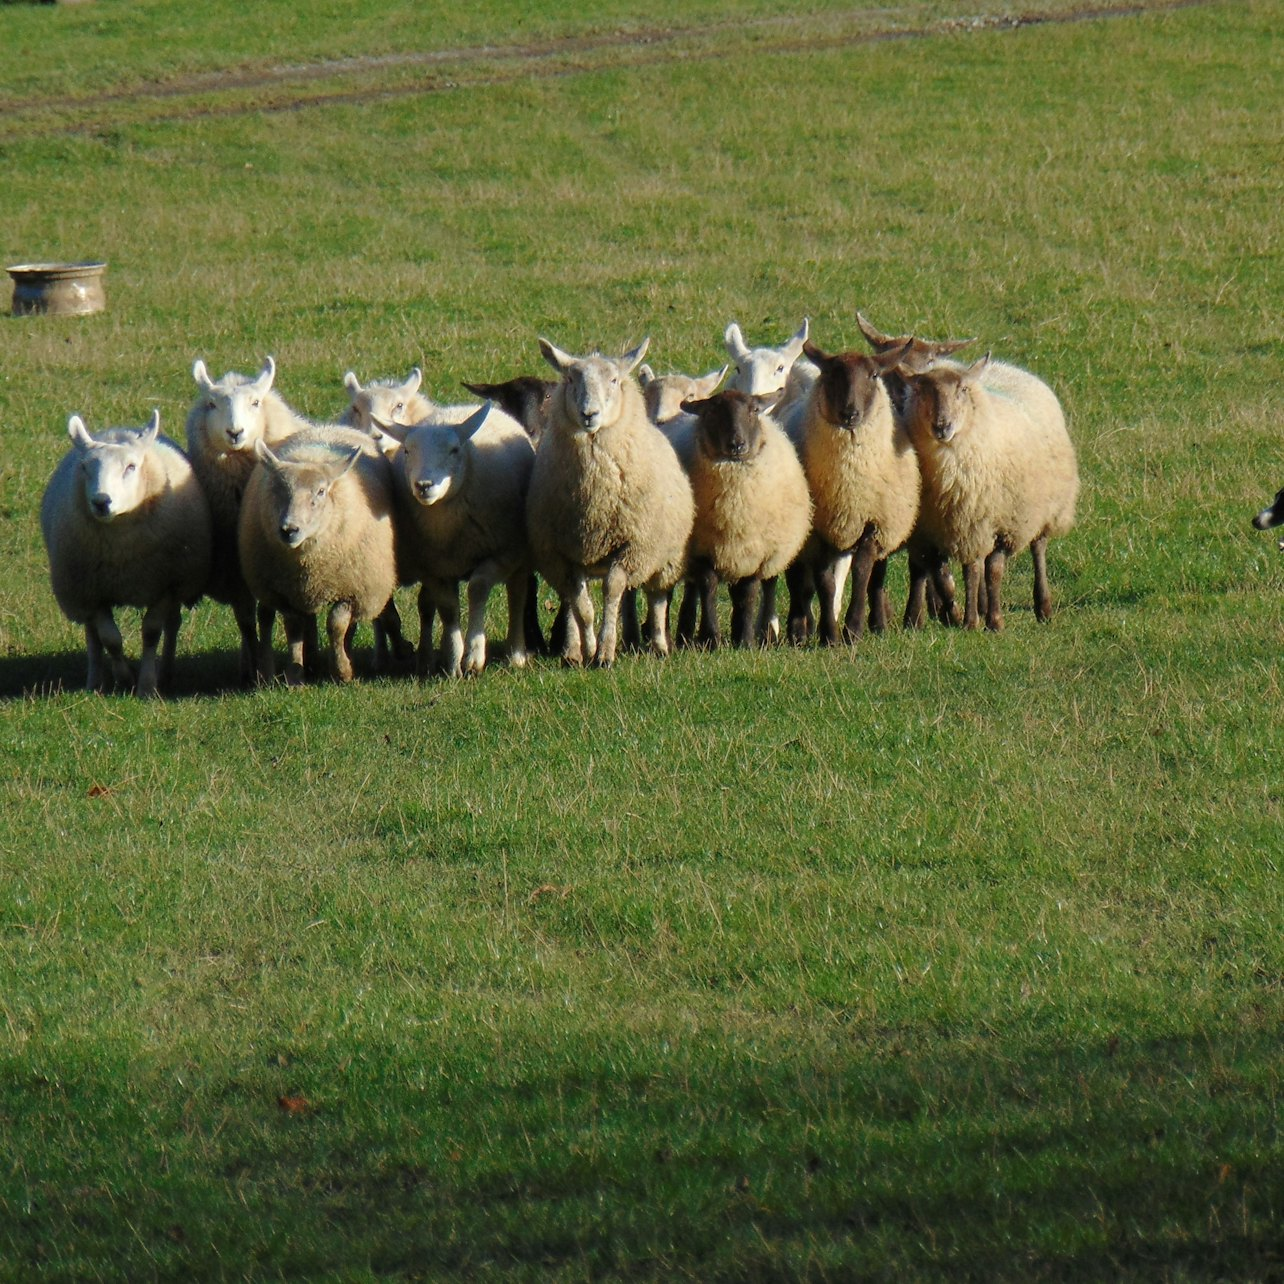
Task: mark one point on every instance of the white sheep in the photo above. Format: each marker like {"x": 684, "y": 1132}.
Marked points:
{"x": 752, "y": 509}
{"x": 608, "y": 499}
{"x": 864, "y": 479}
{"x": 462, "y": 496}
{"x": 768, "y": 371}
{"x": 226, "y": 421}
{"x": 316, "y": 531}
{"x": 664, "y": 394}
{"x": 385, "y": 401}
{"x": 999, "y": 473}
{"x": 125, "y": 523}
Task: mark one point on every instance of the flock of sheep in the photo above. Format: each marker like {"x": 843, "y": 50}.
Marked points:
{"x": 819, "y": 466}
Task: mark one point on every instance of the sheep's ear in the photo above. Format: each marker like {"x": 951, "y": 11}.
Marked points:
{"x": 77, "y": 431}
{"x": 976, "y": 371}
{"x": 263, "y": 452}
{"x": 201, "y": 375}
{"x": 357, "y": 452}
{"x": 876, "y": 338}
{"x": 559, "y": 360}
{"x": 892, "y": 357}
{"x": 630, "y": 361}
{"x": 413, "y": 380}
{"x": 944, "y": 348}
{"x": 735, "y": 342}
{"x": 765, "y": 403}
{"x": 645, "y": 374}
{"x": 694, "y": 405}
{"x": 352, "y": 384}
{"x": 152, "y": 430}
{"x": 708, "y": 384}
{"x": 398, "y": 432}
{"x": 264, "y": 382}
{"x": 466, "y": 430}
{"x": 817, "y": 356}
{"x": 799, "y": 340}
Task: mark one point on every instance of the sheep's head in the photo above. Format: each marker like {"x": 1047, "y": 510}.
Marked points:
{"x": 111, "y": 469}
{"x": 591, "y": 387}
{"x": 920, "y": 354}
{"x": 383, "y": 402}
{"x": 664, "y": 394}
{"x": 526, "y": 398}
{"x": 298, "y": 493}
{"x": 729, "y": 425}
{"x": 940, "y": 401}
{"x": 233, "y": 405}
{"x": 849, "y": 383}
{"x": 761, "y": 371}
{"x": 436, "y": 457}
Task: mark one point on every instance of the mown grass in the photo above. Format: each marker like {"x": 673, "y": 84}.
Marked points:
{"x": 952, "y": 955}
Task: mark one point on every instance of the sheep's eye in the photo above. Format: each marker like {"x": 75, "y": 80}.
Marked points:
{"x": 210, "y": 404}
{"x": 399, "y": 407}
{"x": 130, "y": 469}
{"x": 321, "y": 492}
{"x": 780, "y": 369}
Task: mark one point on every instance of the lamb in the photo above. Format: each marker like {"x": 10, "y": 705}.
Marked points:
{"x": 764, "y": 371}
{"x": 608, "y": 499}
{"x": 316, "y": 530}
{"x": 385, "y": 401}
{"x": 664, "y": 394}
{"x": 999, "y": 472}
{"x": 227, "y": 419}
{"x": 461, "y": 490}
{"x": 864, "y": 480}
{"x": 752, "y": 508}
{"x": 126, "y": 523}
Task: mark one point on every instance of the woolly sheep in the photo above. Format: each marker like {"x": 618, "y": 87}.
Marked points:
{"x": 385, "y": 401}
{"x": 316, "y": 530}
{"x": 999, "y": 472}
{"x": 226, "y": 421}
{"x": 461, "y": 490}
{"x": 664, "y": 394}
{"x": 863, "y": 475}
{"x": 125, "y": 523}
{"x": 608, "y": 499}
{"x": 764, "y": 371}
{"x": 752, "y": 509}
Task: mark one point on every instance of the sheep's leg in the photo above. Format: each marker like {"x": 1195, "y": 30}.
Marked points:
{"x": 296, "y": 630}
{"x": 265, "y": 665}
{"x": 169, "y": 647}
{"x": 630, "y": 630}
{"x": 916, "y": 602}
{"x": 994, "y": 565}
{"x": 862, "y": 563}
{"x": 391, "y": 645}
{"x": 947, "y": 611}
{"x": 800, "y": 582}
{"x": 826, "y": 591}
{"x": 519, "y": 589}
{"x": 560, "y": 628}
{"x": 687, "y": 613}
{"x": 744, "y": 608}
{"x": 971, "y": 587}
{"x": 880, "y": 608}
{"x": 109, "y": 635}
{"x": 339, "y": 624}
{"x": 706, "y": 581}
{"x": 312, "y": 658}
{"x": 614, "y": 587}
{"x": 535, "y": 640}
{"x": 243, "y": 612}
{"x": 154, "y": 621}
{"x": 658, "y": 620}
{"x": 427, "y": 609}
{"x": 581, "y": 640}
{"x": 445, "y": 596}
{"x": 768, "y": 632}
{"x": 94, "y": 654}
{"x": 1042, "y": 593}
{"x": 480, "y": 584}
{"x": 842, "y": 569}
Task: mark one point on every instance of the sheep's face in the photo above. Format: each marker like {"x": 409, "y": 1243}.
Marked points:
{"x": 385, "y": 402}
{"x": 918, "y": 355}
{"x": 940, "y": 403}
{"x": 112, "y": 473}
{"x": 435, "y": 460}
{"x": 849, "y": 387}
{"x": 592, "y": 387}
{"x": 730, "y": 426}
{"x": 233, "y": 406}
{"x": 525, "y": 398}
{"x": 762, "y": 371}
{"x": 297, "y": 505}
{"x": 664, "y": 394}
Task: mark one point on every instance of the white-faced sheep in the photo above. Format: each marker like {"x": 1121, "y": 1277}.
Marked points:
{"x": 608, "y": 500}
{"x": 864, "y": 480}
{"x": 762, "y": 372}
{"x": 664, "y": 394}
{"x": 316, "y": 532}
{"x": 228, "y": 418}
{"x": 125, "y": 523}
{"x": 752, "y": 509}
{"x": 462, "y": 495}
{"x": 999, "y": 473}
{"x": 385, "y": 401}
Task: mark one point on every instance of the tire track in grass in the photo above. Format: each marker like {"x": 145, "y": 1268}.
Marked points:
{"x": 283, "y": 89}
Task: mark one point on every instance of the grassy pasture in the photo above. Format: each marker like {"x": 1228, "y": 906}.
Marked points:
{"x": 950, "y": 955}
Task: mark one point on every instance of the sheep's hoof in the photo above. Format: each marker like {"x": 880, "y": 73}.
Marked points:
{"x": 295, "y": 676}
{"x": 517, "y": 659}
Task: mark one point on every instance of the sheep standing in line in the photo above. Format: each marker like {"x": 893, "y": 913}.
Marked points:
{"x": 752, "y": 509}
{"x": 126, "y": 523}
{"x": 608, "y": 499}
{"x": 228, "y": 418}
{"x": 462, "y": 493}
{"x": 864, "y": 480}
{"x": 316, "y": 532}
{"x": 999, "y": 473}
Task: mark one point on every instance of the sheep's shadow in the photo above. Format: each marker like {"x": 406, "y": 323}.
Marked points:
{"x": 38, "y": 675}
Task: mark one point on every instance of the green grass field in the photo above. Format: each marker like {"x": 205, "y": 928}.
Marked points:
{"x": 953, "y": 955}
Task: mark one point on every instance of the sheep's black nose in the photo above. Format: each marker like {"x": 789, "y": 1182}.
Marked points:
{"x": 102, "y": 505}
{"x": 234, "y": 435}
{"x": 288, "y": 531}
